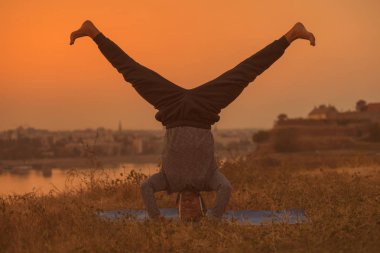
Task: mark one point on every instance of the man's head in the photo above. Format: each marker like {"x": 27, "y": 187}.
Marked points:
{"x": 190, "y": 206}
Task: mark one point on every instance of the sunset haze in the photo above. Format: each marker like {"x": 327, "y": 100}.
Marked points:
{"x": 46, "y": 83}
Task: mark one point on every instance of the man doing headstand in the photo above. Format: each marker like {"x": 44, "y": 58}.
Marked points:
{"x": 188, "y": 162}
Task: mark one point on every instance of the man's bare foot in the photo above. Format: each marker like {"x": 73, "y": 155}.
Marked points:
{"x": 87, "y": 29}
{"x": 299, "y": 31}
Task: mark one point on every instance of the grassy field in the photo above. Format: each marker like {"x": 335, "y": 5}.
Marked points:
{"x": 340, "y": 196}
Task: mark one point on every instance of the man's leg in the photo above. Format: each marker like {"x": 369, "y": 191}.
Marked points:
{"x": 152, "y": 184}
{"x": 220, "y": 92}
{"x": 222, "y": 186}
{"x": 154, "y": 88}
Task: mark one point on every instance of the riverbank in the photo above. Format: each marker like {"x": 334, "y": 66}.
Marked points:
{"x": 105, "y": 161}
{"x": 80, "y": 162}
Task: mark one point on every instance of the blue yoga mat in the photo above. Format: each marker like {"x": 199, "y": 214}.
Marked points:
{"x": 255, "y": 217}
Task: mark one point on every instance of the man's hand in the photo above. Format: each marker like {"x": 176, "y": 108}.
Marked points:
{"x": 87, "y": 29}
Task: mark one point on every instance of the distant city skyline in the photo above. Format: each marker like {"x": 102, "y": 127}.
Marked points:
{"x": 120, "y": 126}
{"x": 47, "y": 84}
{"x": 115, "y": 128}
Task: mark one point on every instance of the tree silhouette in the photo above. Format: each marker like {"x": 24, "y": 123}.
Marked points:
{"x": 361, "y": 105}
{"x": 282, "y": 116}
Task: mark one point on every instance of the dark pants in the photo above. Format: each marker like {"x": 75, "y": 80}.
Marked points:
{"x": 215, "y": 94}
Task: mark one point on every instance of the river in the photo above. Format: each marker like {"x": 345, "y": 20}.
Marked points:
{"x": 25, "y": 180}
{"x": 44, "y": 175}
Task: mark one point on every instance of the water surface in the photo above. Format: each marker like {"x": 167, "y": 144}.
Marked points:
{"x": 26, "y": 180}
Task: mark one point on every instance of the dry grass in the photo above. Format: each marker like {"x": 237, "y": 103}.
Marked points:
{"x": 342, "y": 204}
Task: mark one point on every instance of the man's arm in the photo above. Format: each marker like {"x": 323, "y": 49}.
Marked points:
{"x": 152, "y": 184}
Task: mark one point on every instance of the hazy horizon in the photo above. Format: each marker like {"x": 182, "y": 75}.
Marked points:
{"x": 48, "y": 84}
{"x": 116, "y": 129}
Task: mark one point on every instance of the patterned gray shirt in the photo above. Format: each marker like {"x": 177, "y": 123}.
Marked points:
{"x": 188, "y": 159}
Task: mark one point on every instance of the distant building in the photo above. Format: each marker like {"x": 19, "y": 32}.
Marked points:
{"x": 329, "y": 114}
{"x": 13, "y": 135}
{"x": 371, "y": 112}
{"x": 323, "y": 112}
{"x": 120, "y": 127}
{"x": 373, "y": 107}
{"x": 137, "y": 145}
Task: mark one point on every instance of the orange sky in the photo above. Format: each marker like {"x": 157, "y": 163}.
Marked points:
{"x": 46, "y": 83}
